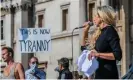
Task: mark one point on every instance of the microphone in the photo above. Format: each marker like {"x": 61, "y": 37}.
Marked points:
{"x": 90, "y": 24}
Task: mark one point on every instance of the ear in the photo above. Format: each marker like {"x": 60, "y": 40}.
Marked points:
{"x": 61, "y": 66}
{"x": 10, "y": 54}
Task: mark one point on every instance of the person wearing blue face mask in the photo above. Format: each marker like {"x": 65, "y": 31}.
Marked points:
{"x": 33, "y": 72}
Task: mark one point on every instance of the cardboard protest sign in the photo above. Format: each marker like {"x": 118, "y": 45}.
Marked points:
{"x": 33, "y": 40}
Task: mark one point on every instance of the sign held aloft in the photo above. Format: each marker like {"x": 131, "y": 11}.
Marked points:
{"x": 33, "y": 40}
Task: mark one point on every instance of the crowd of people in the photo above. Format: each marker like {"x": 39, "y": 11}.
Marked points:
{"x": 15, "y": 70}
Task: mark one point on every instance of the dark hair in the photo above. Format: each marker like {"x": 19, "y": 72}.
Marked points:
{"x": 10, "y": 50}
{"x": 75, "y": 74}
{"x": 80, "y": 77}
{"x": 34, "y": 58}
{"x": 64, "y": 62}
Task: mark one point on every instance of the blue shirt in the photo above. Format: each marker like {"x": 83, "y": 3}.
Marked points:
{"x": 33, "y": 73}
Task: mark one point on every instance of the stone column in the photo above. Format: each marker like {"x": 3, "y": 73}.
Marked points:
{"x": 7, "y": 29}
{"x": 25, "y": 56}
{"x": 126, "y": 45}
{"x": 21, "y": 21}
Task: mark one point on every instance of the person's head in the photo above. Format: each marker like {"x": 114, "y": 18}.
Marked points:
{"x": 33, "y": 60}
{"x": 104, "y": 15}
{"x": 75, "y": 74}
{"x": 7, "y": 53}
{"x": 80, "y": 77}
{"x": 63, "y": 63}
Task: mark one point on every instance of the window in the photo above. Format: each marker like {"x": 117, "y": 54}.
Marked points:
{"x": 91, "y": 11}
{"x": 64, "y": 19}
{"x": 40, "y": 20}
{"x": 116, "y": 4}
{"x": 43, "y": 65}
{"x": 40, "y": 15}
{"x": 2, "y": 30}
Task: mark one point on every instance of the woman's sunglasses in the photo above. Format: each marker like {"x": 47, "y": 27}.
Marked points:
{"x": 34, "y": 62}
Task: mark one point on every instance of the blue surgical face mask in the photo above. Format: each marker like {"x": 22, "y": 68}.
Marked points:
{"x": 32, "y": 68}
{"x": 33, "y": 65}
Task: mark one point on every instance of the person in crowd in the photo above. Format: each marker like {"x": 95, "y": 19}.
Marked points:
{"x": 13, "y": 70}
{"x": 105, "y": 43}
{"x": 80, "y": 77}
{"x": 75, "y": 74}
{"x": 64, "y": 72}
{"x": 34, "y": 72}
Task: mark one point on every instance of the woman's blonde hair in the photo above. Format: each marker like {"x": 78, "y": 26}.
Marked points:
{"x": 107, "y": 15}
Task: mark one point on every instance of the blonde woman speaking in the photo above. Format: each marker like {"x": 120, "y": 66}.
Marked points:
{"x": 105, "y": 43}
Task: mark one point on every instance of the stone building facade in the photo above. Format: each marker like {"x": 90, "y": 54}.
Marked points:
{"x": 62, "y": 16}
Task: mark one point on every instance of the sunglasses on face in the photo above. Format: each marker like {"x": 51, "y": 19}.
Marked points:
{"x": 34, "y": 62}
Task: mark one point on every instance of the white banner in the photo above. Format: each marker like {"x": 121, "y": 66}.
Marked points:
{"x": 33, "y": 40}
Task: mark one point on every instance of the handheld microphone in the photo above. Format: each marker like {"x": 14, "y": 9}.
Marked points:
{"x": 90, "y": 24}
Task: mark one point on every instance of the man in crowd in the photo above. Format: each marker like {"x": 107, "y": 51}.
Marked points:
{"x": 64, "y": 72}
{"x": 33, "y": 72}
{"x": 13, "y": 70}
